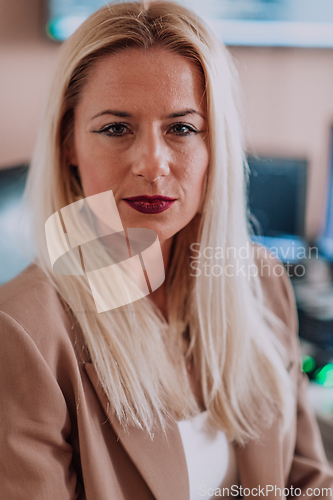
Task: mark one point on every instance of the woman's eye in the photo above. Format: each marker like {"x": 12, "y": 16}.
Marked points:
{"x": 183, "y": 129}
{"x": 114, "y": 129}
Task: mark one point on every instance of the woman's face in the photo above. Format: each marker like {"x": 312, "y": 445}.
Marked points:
{"x": 141, "y": 131}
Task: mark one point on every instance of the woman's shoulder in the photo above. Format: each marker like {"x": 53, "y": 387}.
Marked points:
{"x": 276, "y": 286}
{"x": 20, "y": 287}
{"x": 278, "y": 296}
{"x": 31, "y": 308}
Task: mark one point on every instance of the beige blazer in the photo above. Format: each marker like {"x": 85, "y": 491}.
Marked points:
{"x": 59, "y": 439}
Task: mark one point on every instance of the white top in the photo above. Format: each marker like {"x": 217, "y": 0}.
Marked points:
{"x": 211, "y": 460}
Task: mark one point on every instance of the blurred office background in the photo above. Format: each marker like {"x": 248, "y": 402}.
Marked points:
{"x": 283, "y": 50}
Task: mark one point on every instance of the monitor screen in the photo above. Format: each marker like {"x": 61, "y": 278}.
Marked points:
{"x": 325, "y": 241}
{"x": 12, "y": 226}
{"x": 277, "y": 199}
{"x": 295, "y": 23}
{"x": 277, "y": 195}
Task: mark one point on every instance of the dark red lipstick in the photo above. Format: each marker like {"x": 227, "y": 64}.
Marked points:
{"x": 150, "y": 204}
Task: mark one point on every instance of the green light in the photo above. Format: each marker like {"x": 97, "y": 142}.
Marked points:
{"x": 325, "y": 376}
{"x": 308, "y": 363}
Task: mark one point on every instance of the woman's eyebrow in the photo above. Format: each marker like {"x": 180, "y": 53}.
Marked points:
{"x": 186, "y": 112}
{"x": 121, "y": 114}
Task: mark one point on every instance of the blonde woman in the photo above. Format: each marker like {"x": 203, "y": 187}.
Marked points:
{"x": 195, "y": 389}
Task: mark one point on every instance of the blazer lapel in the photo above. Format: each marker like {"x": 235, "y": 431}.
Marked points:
{"x": 162, "y": 464}
{"x": 260, "y": 464}
{"x": 161, "y": 461}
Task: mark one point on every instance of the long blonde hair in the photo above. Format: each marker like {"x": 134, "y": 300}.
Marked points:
{"x": 139, "y": 357}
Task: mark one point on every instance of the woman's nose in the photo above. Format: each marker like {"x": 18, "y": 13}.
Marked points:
{"x": 151, "y": 158}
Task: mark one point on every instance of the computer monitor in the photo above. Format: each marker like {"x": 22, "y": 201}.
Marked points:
{"x": 325, "y": 240}
{"x": 12, "y": 257}
{"x": 277, "y": 200}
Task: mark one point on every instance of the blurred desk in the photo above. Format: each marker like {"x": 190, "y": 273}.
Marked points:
{"x": 314, "y": 297}
{"x": 321, "y": 399}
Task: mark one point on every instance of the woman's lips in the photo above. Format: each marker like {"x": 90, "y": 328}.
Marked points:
{"x": 150, "y": 204}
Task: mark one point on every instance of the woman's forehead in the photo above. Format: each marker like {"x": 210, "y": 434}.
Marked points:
{"x": 138, "y": 78}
